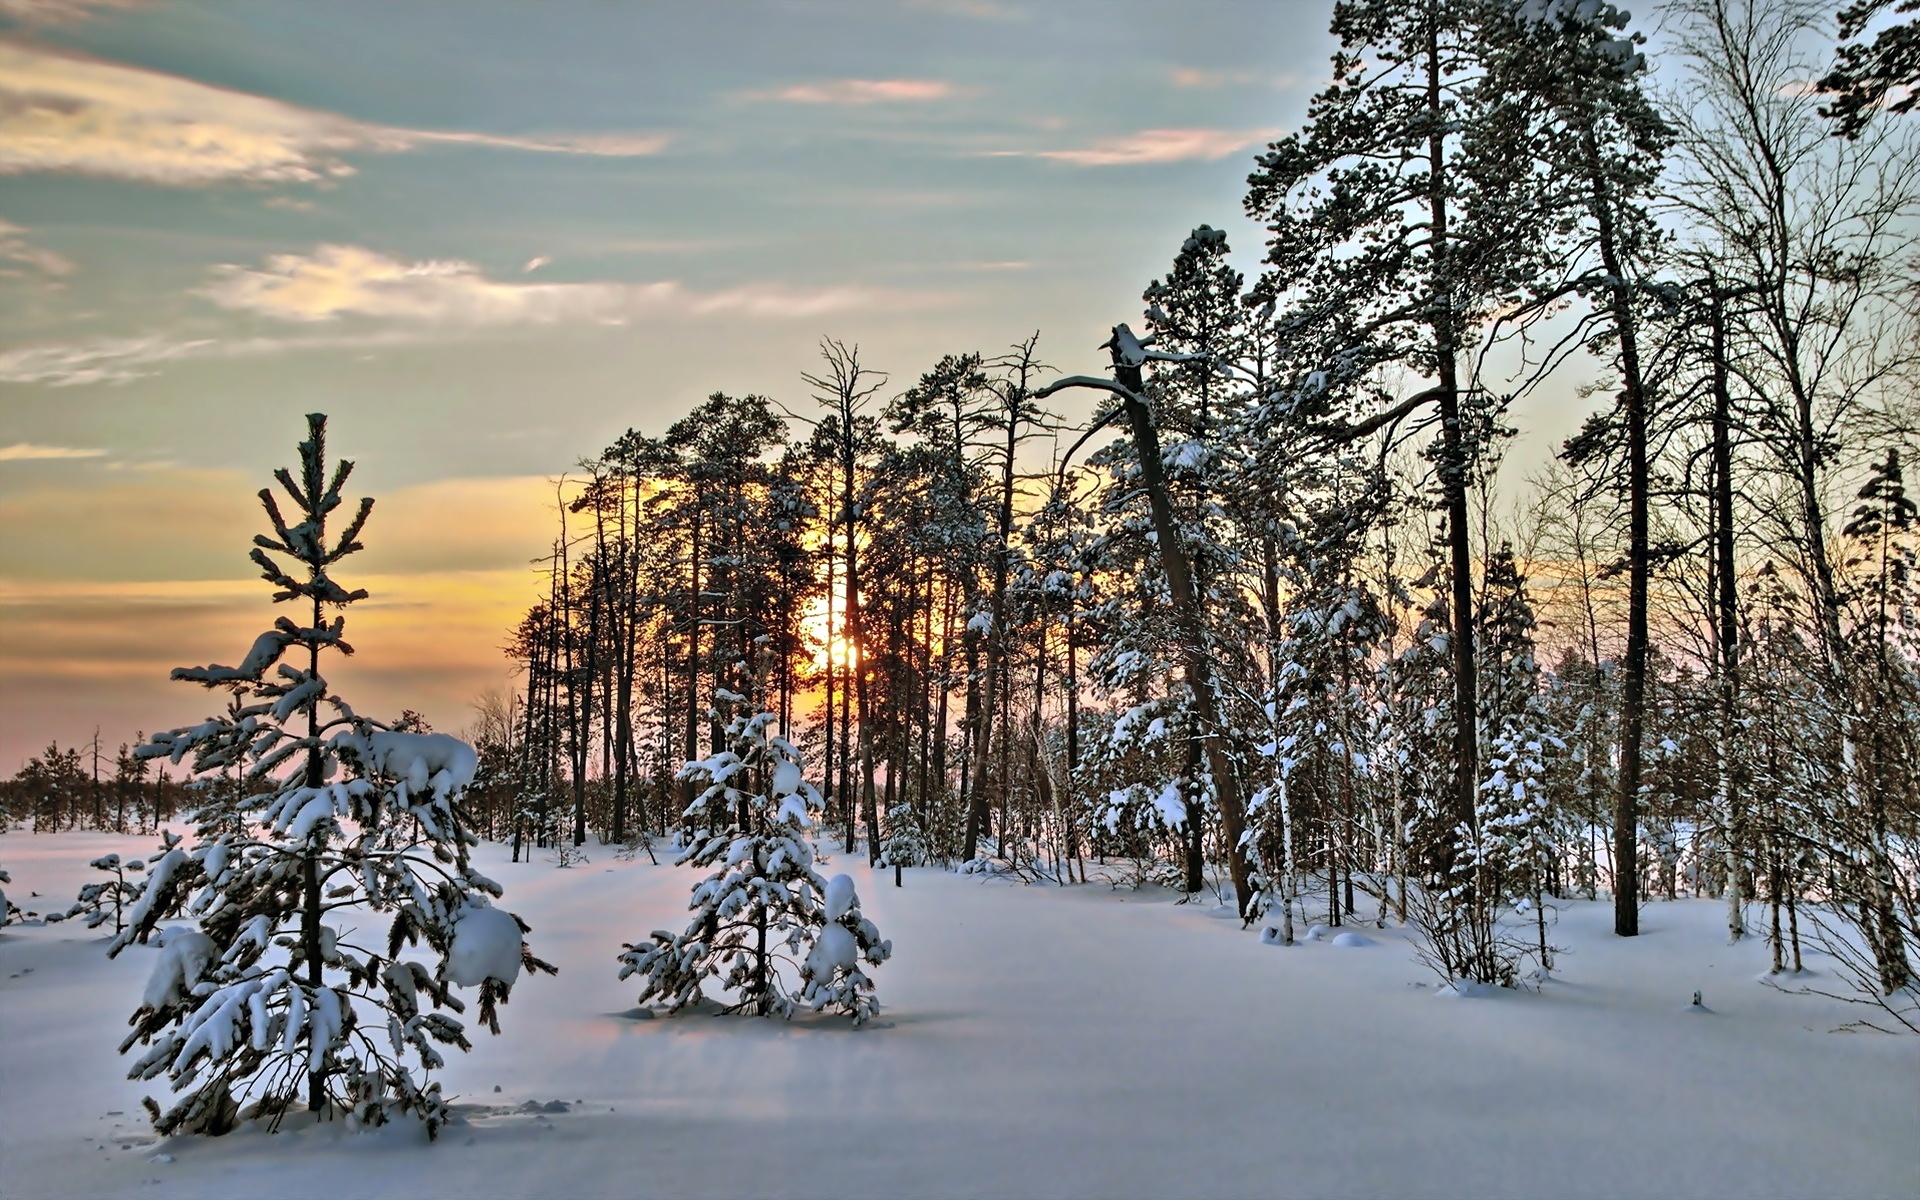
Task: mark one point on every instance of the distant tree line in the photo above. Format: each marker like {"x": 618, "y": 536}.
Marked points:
{"x": 84, "y": 787}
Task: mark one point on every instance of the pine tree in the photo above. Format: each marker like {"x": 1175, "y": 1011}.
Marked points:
{"x": 1568, "y": 74}
{"x": 766, "y": 926}
{"x": 1871, "y": 76}
{"x": 1386, "y": 251}
{"x": 332, "y": 817}
{"x": 106, "y": 900}
{"x": 1515, "y": 845}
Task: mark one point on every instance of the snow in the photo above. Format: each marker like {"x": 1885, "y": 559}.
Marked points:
{"x": 840, "y": 896}
{"x": 486, "y": 945}
{"x": 423, "y": 761}
{"x": 1016, "y": 1056}
{"x": 266, "y": 650}
{"x": 184, "y": 958}
{"x": 834, "y": 950}
{"x": 1171, "y": 806}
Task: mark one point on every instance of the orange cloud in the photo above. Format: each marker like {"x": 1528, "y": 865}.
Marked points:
{"x": 1151, "y": 146}
{"x": 860, "y": 91}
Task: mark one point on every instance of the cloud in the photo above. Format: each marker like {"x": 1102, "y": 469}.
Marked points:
{"x": 58, "y": 12}
{"x": 420, "y": 301}
{"x": 28, "y": 452}
{"x": 1154, "y": 146}
{"x": 980, "y": 10}
{"x": 110, "y": 360}
{"x": 860, "y": 91}
{"x": 338, "y": 280}
{"x": 123, "y": 360}
{"x": 1195, "y": 77}
{"x": 14, "y": 248}
{"x": 536, "y": 262}
{"x": 598, "y": 145}
{"x": 61, "y": 113}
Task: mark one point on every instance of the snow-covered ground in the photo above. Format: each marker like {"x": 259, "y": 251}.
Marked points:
{"x": 1034, "y": 1042}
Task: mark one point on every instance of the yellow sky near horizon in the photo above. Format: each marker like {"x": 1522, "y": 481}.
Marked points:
{"x": 97, "y": 606}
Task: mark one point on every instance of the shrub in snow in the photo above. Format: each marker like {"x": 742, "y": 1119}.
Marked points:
{"x": 8, "y": 913}
{"x": 831, "y": 976}
{"x": 766, "y": 927}
{"x": 107, "y": 899}
{"x": 326, "y": 848}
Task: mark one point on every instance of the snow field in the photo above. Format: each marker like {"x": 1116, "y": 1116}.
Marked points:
{"x": 1033, "y": 1042}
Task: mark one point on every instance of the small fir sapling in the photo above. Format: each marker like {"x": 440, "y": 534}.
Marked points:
{"x": 906, "y": 845}
{"x": 764, "y": 917}
{"x": 314, "y": 824}
{"x": 107, "y": 899}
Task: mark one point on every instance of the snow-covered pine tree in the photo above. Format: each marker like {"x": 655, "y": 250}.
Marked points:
{"x": 1506, "y": 854}
{"x": 1318, "y": 710}
{"x": 906, "y": 845}
{"x": 8, "y": 911}
{"x": 332, "y": 818}
{"x": 1515, "y": 844}
{"x": 1195, "y": 317}
{"x": 106, "y": 900}
{"x": 1388, "y": 257}
{"x": 831, "y": 977}
{"x": 765, "y": 924}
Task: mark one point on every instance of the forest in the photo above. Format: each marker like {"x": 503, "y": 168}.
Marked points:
{"x": 1274, "y": 626}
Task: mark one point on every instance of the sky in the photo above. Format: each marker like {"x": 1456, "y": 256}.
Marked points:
{"x": 488, "y": 237}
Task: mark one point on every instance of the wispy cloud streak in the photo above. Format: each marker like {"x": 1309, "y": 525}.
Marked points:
{"x": 28, "y": 452}
{"x": 339, "y": 280}
{"x": 859, "y": 91}
{"x": 66, "y": 114}
{"x": 1150, "y": 146}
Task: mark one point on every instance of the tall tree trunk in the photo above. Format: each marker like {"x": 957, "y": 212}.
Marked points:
{"x": 311, "y": 911}
{"x": 1198, "y": 663}
{"x": 691, "y": 718}
{"x": 1453, "y": 472}
{"x": 1726, "y": 613}
{"x": 1633, "y": 682}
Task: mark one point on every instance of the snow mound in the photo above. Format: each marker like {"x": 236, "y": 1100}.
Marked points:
{"x": 1466, "y": 989}
{"x": 1352, "y": 939}
{"x": 486, "y": 945}
{"x": 184, "y": 960}
{"x": 840, "y": 897}
{"x": 1319, "y": 933}
{"x": 1271, "y": 933}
